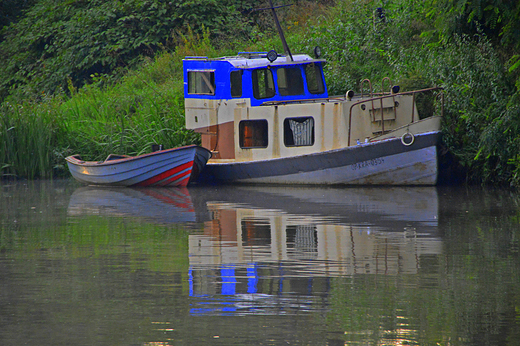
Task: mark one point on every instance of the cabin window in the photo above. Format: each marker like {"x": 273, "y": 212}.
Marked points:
{"x": 298, "y": 131}
{"x": 290, "y": 81}
{"x": 302, "y": 238}
{"x": 314, "y": 79}
{"x": 201, "y": 82}
{"x": 253, "y": 134}
{"x": 256, "y": 232}
{"x": 263, "y": 83}
{"x": 236, "y": 83}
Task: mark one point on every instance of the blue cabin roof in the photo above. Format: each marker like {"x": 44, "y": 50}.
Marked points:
{"x": 253, "y": 76}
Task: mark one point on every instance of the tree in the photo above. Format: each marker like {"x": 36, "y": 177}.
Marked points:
{"x": 59, "y": 41}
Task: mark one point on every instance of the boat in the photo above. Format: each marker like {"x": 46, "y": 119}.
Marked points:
{"x": 268, "y": 118}
{"x": 169, "y": 167}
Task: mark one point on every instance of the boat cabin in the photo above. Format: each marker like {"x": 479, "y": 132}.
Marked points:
{"x": 261, "y": 106}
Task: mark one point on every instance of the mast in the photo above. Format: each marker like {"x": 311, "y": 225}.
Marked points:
{"x": 280, "y": 31}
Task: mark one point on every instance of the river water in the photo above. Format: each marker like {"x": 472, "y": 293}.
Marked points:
{"x": 255, "y": 265}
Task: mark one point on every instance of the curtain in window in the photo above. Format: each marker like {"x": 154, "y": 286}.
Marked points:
{"x": 302, "y": 132}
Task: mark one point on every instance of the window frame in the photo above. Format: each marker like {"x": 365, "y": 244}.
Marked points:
{"x": 239, "y": 82}
{"x": 197, "y": 79}
{"x": 282, "y": 77}
{"x": 317, "y": 76}
{"x": 256, "y": 83}
{"x": 259, "y": 138}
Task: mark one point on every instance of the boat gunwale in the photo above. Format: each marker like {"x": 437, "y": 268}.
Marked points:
{"x": 75, "y": 159}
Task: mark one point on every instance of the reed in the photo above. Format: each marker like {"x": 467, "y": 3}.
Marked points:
{"x": 27, "y": 138}
{"x": 145, "y": 108}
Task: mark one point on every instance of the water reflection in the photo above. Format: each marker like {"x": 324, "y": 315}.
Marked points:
{"x": 277, "y": 253}
{"x": 258, "y": 265}
{"x": 153, "y": 204}
{"x": 273, "y": 250}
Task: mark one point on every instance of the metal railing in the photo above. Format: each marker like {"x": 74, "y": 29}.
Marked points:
{"x": 391, "y": 95}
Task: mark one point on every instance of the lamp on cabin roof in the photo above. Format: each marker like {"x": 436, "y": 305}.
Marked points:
{"x": 272, "y": 55}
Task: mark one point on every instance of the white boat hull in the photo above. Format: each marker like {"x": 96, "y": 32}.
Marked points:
{"x": 386, "y": 162}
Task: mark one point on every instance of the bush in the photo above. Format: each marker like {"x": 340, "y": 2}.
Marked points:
{"x": 477, "y": 91}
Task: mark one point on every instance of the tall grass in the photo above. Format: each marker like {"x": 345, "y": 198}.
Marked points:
{"x": 127, "y": 118}
{"x": 145, "y": 108}
{"x": 28, "y": 134}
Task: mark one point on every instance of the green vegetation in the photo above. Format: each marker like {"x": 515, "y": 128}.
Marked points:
{"x": 105, "y": 76}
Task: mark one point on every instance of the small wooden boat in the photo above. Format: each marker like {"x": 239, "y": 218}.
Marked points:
{"x": 170, "y": 167}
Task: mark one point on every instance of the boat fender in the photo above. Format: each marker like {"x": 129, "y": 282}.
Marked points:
{"x": 407, "y": 138}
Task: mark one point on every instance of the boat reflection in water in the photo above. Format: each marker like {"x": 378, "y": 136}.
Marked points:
{"x": 274, "y": 250}
{"x": 163, "y": 205}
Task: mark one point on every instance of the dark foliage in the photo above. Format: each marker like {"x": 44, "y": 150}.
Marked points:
{"x": 11, "y": 10}
{"x": 57, "y": 41}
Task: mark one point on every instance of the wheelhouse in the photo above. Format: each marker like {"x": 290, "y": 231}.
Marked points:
{"x": 253, "y": 76}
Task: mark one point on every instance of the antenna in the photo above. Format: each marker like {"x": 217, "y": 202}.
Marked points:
{"x": 280, "y": 31}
